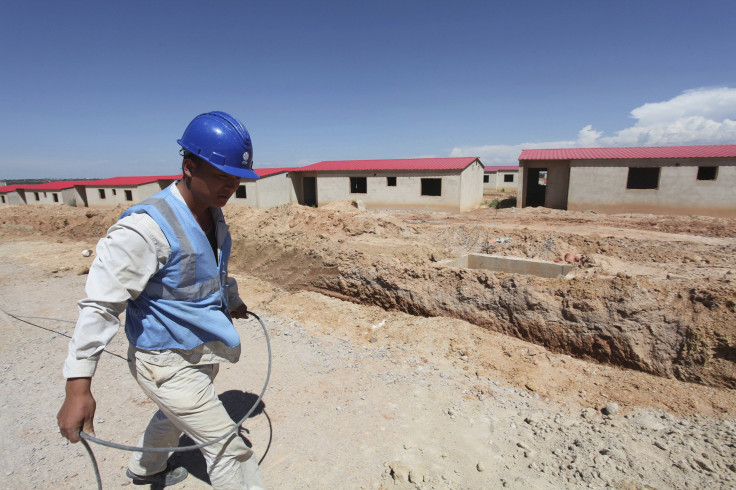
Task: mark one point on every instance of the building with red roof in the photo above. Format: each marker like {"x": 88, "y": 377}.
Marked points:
{"x": 62, "y": 192}
{"x": 447, "y": 184}
{"x": 692, "y": 180}
{"x": 10, "y": 195}
{"x": 272, "y": 188}
{"x": 90, "y": 193}
{"x": 125, "y": 190}
{"x": 450, "y": 184}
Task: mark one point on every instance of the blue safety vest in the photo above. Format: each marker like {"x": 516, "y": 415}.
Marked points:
{"x": 185, "y": 303}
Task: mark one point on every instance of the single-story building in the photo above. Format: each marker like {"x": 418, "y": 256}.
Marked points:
{"x": 274, "y": 187}
{"x": 10, "y": 195}
{"x": 442, "y": 184}
{"x": 500, "y": 177}
{"x": 63, "y": 192}
{"x": 697, "y": 180}
{"x": 125, "y": 190}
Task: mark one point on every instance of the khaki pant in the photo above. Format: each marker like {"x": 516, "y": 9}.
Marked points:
{"x": 188, "y": 403}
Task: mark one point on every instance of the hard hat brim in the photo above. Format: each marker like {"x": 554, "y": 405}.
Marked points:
{"x": 243, "y": 173}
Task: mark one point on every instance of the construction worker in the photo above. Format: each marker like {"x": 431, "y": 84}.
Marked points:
{"x": 165, "y": 264}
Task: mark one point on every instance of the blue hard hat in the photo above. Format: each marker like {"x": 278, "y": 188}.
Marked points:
{"x": 222, "y": 141}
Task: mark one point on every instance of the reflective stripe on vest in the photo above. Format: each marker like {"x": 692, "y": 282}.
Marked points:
{"x": 187, "y": 289}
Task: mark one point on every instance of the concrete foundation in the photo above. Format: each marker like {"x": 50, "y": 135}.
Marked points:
{"x": 510, "y": 264}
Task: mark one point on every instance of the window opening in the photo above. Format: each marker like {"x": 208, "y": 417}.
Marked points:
{"x": 358, "y": 185}
{"x": 56, "y": 197}
{"x": 391, "y": 181}
{"x": 542, "y": 177}
{"x": 38, "y": 198}
{"x": 128, "y": 195}
{"x": 643, "y": 178}
{"x": 3, "y": 198}
{"x": 486, "y": 179}
{"x": 114, "y": 192}
{"x": 102, "y": 193}
{"x": 508, "y": 178}
{"x": 240, "y": 192}
{"x": 431, "y": 187}
{"x": 707, "y": 173}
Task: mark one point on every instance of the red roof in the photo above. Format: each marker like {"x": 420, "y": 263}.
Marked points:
{"x": 501, "y": 168}
{"x": 396, "y": 164}
{"x": 700, "y": 151}
{"x": 52, "y": 186}
{"x": 8, "y": 188}
{"x": 265, "y": 172}
{"x": 130, "y": 181}
{"x": 66, "y": 184}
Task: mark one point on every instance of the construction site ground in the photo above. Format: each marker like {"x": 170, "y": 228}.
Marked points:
{"x": 392, "y": 370}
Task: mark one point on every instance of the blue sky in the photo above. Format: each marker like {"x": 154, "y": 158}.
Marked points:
{"x": 101, "y": 89}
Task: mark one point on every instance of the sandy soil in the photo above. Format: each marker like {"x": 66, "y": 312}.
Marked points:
{"x": 368, "y": 397}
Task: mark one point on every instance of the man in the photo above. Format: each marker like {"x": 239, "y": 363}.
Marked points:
{"x": 165, "y": 263}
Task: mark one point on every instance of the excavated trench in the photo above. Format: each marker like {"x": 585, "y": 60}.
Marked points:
{"x": 681, "y": 326}
{"x": 673, "y": 330}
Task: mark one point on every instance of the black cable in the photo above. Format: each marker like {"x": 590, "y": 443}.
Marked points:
{"x": 21, "y": 319}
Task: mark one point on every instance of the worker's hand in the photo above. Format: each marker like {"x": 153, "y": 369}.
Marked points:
{"x": 239, "y": 312}
{"x": 78, "y": 411}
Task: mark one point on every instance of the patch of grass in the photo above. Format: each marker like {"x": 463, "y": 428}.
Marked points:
{"x": 509, "y": 202}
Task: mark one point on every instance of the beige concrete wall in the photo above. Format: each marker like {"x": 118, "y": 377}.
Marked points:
{"x": 496, "y": 180}
{"x": 513, "y": 265}
{"x": 250, "y": 198}
{"x": 521, "y": 183}
{"x": 13, "y": 198}
{"x": 558, "y": 180}
{"x": 601, "y": 186}
{"x": 471, "y": 186}
{"x": 406, "y": 194}
{"x": 115, "y": 195}
{"x": 491, "y": 184}
{"x": 267, "y": 192}
{"x": 49, "y": 197}
{"x": 75, "y": 196}
{"x": 501, "y": 184}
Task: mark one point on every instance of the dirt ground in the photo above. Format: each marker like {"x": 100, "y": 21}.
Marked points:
{"x": 391, "y": 369}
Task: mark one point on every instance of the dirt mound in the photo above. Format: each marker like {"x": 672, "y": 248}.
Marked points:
{"x": 63, "y": 221}
{"x": 658, "y": 302}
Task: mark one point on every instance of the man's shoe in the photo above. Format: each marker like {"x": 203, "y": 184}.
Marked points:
{"x": 165, "y": 478}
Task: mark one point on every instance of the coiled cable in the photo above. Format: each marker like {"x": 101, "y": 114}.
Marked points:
{"x": 86, "y": 437}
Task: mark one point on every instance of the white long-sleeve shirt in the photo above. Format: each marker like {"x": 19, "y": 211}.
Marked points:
{"x": 134, "y": 249}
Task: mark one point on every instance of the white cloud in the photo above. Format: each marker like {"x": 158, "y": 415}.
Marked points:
{"x": 700, "y": 116}
{"x": 504, "y": 154}
{"x": 716, "y": 104}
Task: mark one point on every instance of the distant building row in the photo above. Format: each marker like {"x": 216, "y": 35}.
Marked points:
{"x": 698, "y": 180}
{"x": 446, "y": 184}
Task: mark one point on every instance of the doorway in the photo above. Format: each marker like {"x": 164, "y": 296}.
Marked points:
{"x": 536, "y": 186}
{"x": 309, "y": 187}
